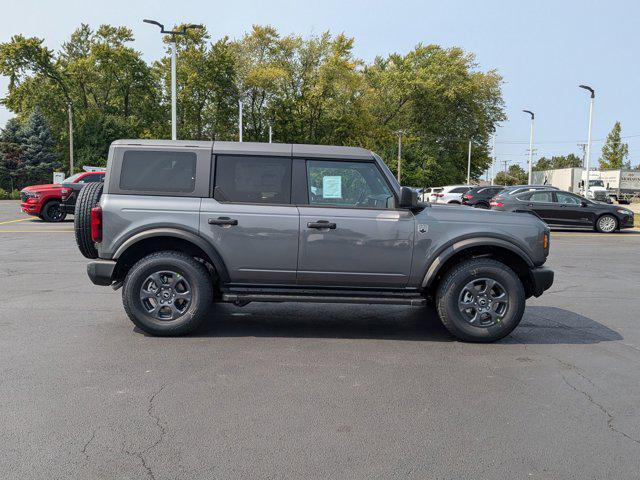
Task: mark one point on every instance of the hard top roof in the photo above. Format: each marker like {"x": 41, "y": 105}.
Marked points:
{"x": 256, "y": 148}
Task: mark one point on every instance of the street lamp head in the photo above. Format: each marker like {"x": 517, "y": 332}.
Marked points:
{"x": 182, "y": 31}
{"x": 587, "y": 87}
{"x": 153, "y": 22}
{"x": 530, "y": 113}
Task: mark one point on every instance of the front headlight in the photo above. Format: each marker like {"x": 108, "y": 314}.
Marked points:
{"x": 623, "y": 211}
{"x": 30, "y": 194}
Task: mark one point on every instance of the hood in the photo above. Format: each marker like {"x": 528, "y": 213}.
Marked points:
{"x": 464, "y": 214}
{"x": 46, "y": 186}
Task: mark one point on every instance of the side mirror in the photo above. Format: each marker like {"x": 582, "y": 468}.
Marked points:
{"x": 408, "y": 198}
{"x": 584, "y": 204}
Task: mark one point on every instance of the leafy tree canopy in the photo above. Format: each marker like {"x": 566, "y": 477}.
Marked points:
{"x": 558, "y": 161}
{"x": 309, "y": 89}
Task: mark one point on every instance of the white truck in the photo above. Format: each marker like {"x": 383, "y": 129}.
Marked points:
{"x": 567, "y": 179}
{"x": 621, "y": 185}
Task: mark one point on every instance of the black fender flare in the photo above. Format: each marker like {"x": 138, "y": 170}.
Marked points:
{"x": 461, "y": 245}
{"x": 197, "y": 240}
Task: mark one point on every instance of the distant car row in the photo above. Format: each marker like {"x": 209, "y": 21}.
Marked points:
{"x": 555, "y": 207}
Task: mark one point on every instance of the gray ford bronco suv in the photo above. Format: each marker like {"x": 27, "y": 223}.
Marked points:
{"x": 181, "y": 224}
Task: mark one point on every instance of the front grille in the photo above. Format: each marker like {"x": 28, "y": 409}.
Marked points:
{"x": 600, "y": 196}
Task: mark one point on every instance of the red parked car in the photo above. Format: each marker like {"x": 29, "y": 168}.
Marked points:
{"x": 45, "y": 201}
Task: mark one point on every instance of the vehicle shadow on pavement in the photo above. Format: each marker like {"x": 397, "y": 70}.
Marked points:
{"x": 553, "y": 325}
{"x": 325, "y": 321}
{"x": 540, "y": 325}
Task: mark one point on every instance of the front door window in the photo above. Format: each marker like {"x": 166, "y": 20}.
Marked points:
{"x": 347, "y": 184}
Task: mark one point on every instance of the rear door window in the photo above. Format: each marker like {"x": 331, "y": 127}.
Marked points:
{"x": 545, "y": 197}
{"x": 158, "y": 171}
{"x": 252, "y": 179}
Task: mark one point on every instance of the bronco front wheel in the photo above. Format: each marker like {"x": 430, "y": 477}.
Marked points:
{"x": 167, "y": 293}
{"x": 480, "y": 300}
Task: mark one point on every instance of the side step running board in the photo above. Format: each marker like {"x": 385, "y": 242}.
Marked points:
{"x": 245, "y": 298}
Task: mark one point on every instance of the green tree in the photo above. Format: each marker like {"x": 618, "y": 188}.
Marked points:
{"x": 311, "y": 89}
{"x": 108, "y": 85}
{"x": 558, "y": 161}
{"x": 207, "y": 95}
{"x": 12, "y": 166}
{"x": 38, "y": 146}
{"x": 515, "y": 176}
{"x": 615, "y": 153}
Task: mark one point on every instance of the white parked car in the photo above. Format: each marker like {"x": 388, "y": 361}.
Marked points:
{"x": 451, "y": 194}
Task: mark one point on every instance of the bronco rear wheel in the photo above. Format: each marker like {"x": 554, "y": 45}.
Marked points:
{"x": 167, "y": 293}
{"x": 88, "y": 198}
{"x": 480, "y": 300}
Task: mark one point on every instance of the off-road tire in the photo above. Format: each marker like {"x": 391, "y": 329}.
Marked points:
{"x": 88, "y": 198}
{"x": 49, "y": 213}
{"x": 197, "y": 277}
{"x": 606, "y": 219}
{"x": 451, "y": 286}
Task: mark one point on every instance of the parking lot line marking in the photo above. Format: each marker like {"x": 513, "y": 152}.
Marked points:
{"x": 600, "y": 235}
{"x": 42, "y": 230}
{"x": 14, "y": 221}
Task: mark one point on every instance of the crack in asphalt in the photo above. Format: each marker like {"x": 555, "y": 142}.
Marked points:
{"x": 610, "y": 417}
{"x": 140, "y": 454}
{"x": 86, "y": 445}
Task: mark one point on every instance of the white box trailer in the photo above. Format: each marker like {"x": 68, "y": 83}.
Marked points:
{"x": 622, "y": 185}
{"x": 563, "y": 178}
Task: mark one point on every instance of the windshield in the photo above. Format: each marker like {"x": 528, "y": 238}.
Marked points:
{"x": 596, "y": 183}
{"x": 72, "y": 178}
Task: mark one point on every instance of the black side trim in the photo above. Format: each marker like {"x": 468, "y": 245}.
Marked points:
{"x": 100, "y": 271}
{"x": 200, "y": 242}
{"x": 244, "y": 298}
{"x": 541, "y": 280}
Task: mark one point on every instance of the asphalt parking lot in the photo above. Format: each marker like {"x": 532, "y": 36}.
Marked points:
{"x": 306, "y": 391}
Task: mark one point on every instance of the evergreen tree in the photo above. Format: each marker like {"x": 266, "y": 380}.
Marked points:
{"x": 614, "y": 151}
{"x": 12, "y": 168}
{"x": 38, "y": 149}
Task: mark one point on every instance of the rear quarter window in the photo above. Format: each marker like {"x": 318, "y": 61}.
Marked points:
{"x": 158, "y": 171}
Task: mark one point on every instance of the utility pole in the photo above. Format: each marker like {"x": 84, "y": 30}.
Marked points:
{"x": 70, "y": 113}
{"x": 240, "y": 120}
{"x": 174, "y": 60}
{"x": 399, "y": 133}
{"x": 588, "y": 154}
{"x": 270, "y": 132}
{"x": 469, "y": 165}
{"x": 493, "y": 154}
{"x": 505, "y": 171}
{"x": 530, "y": 144}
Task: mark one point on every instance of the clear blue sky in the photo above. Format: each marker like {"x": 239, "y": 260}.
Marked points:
{"x": 543, "y": 49}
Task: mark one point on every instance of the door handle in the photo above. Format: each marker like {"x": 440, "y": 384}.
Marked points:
{"x": 223, "y": 221}
{"x": 320, "y": 224}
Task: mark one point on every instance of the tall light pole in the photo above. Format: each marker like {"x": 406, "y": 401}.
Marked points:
{"x": 493, "y": 154}
{"x": 240, "y": 120}
{"x": 399, "y": 133}
{"x": 588, "y": 154}
{"x": 469, "y": 165}
{"x": 173, "y": 33}
{"x": 270, "y": 131}
{"x": 530, "y": 144}
{"x": 70, "y": 113}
